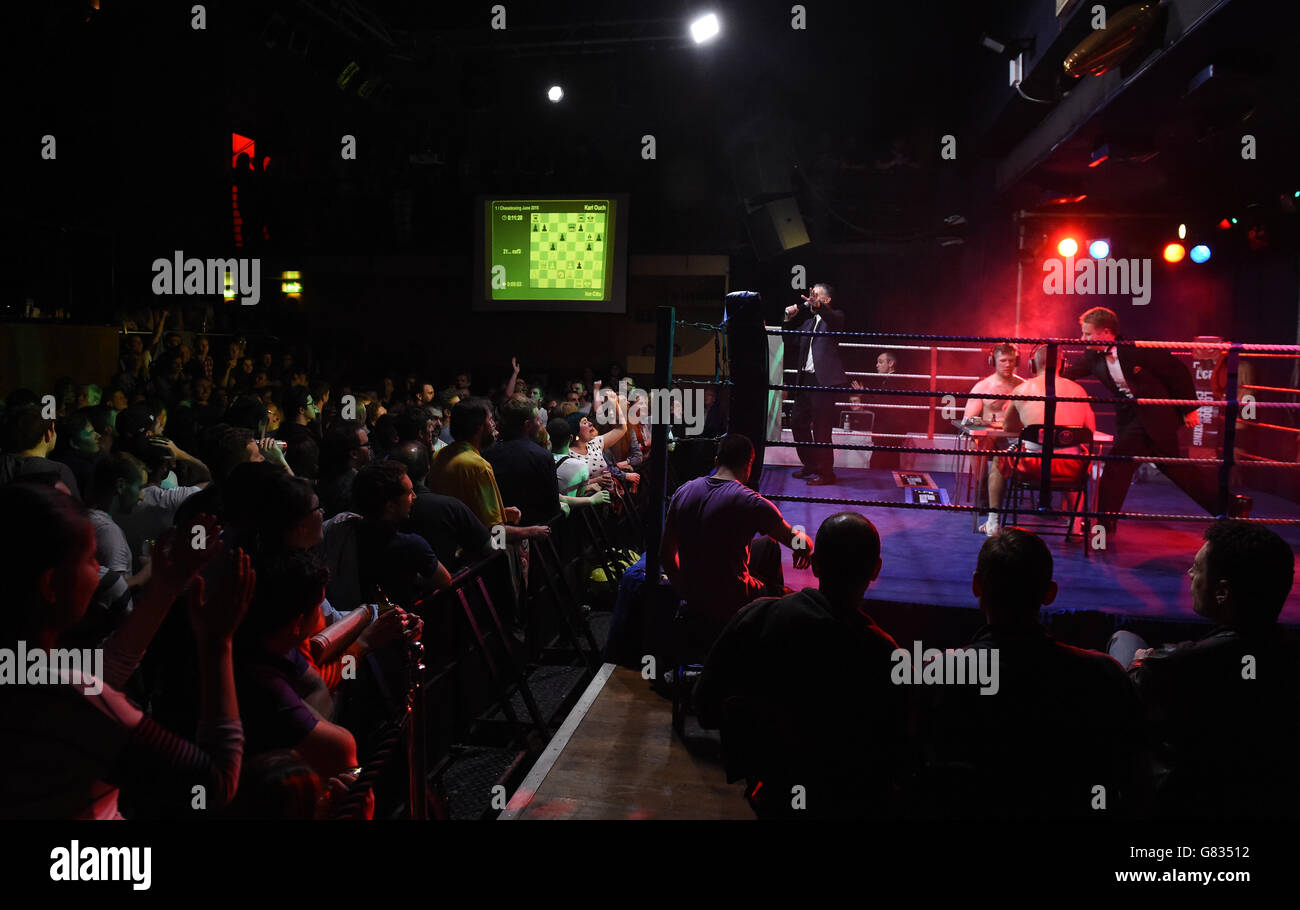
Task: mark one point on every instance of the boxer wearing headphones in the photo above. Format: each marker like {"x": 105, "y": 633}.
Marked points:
{"x": 1003, "y": 359}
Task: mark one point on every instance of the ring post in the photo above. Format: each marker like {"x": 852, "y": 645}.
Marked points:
{"x": 747, "y": 365}
{"x": 934, "y": 402}
{"x": 1049, "y": 433}
{"x": 665, "y": 322}
{"x": 1229, "y": 430}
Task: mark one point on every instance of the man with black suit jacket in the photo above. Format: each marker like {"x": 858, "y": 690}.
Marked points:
{"x": 819, "y": 364}
{"x": 1151, "y": 430}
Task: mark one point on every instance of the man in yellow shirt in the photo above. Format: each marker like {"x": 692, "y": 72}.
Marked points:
{"x": 460, "y": 471}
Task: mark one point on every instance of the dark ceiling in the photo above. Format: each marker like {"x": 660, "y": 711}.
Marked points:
{"x": 846, "y": 115}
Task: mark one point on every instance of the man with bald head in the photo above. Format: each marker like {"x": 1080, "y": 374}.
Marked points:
{"x": 800, "y": 687}
{"x": 524, "y": 470}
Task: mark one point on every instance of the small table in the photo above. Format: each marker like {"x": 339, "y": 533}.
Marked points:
{"x": 972, "y": 478}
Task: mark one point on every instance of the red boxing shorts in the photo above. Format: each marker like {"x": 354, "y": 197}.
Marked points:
{"x": 1064, "y": 470}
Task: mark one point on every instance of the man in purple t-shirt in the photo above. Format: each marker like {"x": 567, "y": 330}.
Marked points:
{"x": 709, "y": 552}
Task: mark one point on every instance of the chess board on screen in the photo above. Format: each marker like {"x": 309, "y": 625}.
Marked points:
{"x": 565, "y": 253}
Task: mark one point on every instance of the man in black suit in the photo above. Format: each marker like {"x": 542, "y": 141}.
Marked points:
{"x": 1152, "y": 430}
{"x": 819, "y": 364}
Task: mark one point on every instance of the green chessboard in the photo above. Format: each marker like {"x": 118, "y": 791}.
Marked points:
{"x": 567, "y": 250}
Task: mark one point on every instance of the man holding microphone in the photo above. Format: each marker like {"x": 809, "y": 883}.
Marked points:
{"x": 819, "y": 364}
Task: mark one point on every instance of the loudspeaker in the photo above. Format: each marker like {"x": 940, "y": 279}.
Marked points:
{"x": 762, "y": 170}
{"x": 776, "y": 228}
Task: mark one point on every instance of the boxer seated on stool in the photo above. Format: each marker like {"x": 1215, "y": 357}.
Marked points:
{"x": 708, "y": 548}
{"x": 1002, "y": 381}
{"x": 1020, "y": 414}
{"x": 989, "y": 412}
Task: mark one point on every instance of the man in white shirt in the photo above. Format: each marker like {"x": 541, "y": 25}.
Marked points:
{"x": 1128, "y": 371}
{"x": 819, "y": 364}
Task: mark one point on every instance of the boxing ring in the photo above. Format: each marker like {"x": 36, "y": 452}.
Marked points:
{"x": 1139, "y": 573}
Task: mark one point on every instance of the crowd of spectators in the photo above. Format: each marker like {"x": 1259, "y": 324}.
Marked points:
{"x": 235, "y": 530}
{"x": 824, "y": 714}
{"x": 235, "y": 533}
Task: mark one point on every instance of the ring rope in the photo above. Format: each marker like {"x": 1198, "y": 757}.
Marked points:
{"x": 891, "y": 504}
{"x": 1293, "y": 349}
{"x": 702, "y": 326}
{"x": 939, "y": 393}
{"x": 990, "y": 453}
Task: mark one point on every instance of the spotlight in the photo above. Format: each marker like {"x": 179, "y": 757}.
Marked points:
{"x": 1182, "y": 232}
{"x": 1200, "y": 253}
{"x": 704, "y": 28}
{"x": 555, "y": 93}
{"x": 1224, "y": 224}
{"x": 1068, "y": 247}
{"x": 1099, "y": 249}
{"x": 1174, "y": 252}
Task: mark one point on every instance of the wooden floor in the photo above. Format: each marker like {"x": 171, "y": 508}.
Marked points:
{"x": 616, "y": 757}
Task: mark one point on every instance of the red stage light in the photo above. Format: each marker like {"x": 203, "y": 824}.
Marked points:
{"x": 1068, "y": 247}
{"x": 1224, "y": 224}
{"x": 1174, "y": 252}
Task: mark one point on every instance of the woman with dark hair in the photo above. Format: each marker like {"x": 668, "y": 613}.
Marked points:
{"x": 621, "y": 450}
{"x": 73, "y": 742}
{"x": 270, "y": 513}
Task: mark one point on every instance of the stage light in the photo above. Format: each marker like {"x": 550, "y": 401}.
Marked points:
{"x": 1099, "y": 249}
{"x": 1174, "y": 252}
{"x": 1068, "y": 247}
{"x": 1182, "y": 232}
{"x": 1234, "y": 220}
{"x": 1200, "y": 253}
{"x": 555, "y": 93}
{"x": 1224, "y": 224}
{"x": 704, "y": 28}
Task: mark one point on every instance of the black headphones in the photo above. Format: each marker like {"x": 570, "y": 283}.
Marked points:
{"x": 1033, "y": 360}
{"x": 992, "y": 356}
